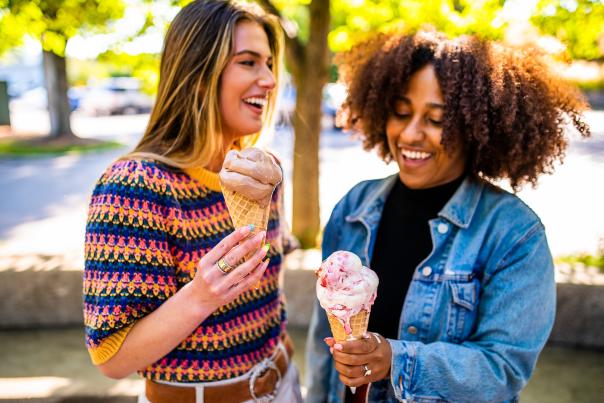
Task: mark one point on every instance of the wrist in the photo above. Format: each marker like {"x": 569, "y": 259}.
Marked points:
{"x": 198, "y": 307}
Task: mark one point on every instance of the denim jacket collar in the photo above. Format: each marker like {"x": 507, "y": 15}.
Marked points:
{"x": 459, "y": 210}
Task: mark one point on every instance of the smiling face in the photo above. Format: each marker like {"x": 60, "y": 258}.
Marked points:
{"x": 414, "y": 132}
{"x": 246, "y": 82}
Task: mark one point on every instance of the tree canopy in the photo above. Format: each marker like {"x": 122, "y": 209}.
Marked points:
{"x": 579, "y": 24}
{"x": 54, "y": 22}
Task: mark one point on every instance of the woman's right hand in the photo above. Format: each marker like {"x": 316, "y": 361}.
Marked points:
{"x": 215, "y": 288}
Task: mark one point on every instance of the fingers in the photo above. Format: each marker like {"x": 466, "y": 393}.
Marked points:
{"x": 362, "y": 361}
{"x": 247, "y": 282}
{"x": 351, "y": 359}
{"x": 227, "y": 243}
{"x": 245, "y": 269}
{"x": 350, "y": 371}
{"x": 247, "y": 246}
{"x": 354, "y": 382}
{"x": 361, "y": 346}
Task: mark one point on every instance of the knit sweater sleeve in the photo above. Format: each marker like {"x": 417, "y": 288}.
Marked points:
{"x": 129, "y": 270}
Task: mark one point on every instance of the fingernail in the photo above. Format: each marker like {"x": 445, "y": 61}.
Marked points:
{"x": 245, "y": 230}
{"x": 331, "y": 350}
{"x": 251, "y": 227}
{"x": 325, "y": 339}
{"x": 265, "y": 262}
{"x": 338, "y": 346}
{"x": 366, "y": 336}
{"x": 266, "y": 247}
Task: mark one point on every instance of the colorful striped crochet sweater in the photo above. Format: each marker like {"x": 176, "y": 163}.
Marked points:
{"x": 148, "y": 226}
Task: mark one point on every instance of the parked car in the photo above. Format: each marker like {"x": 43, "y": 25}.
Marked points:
{"x": 37, "y": 99}
{"x": 116, "y": 96}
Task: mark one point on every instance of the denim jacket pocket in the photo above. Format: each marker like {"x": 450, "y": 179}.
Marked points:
{"x": 462, "y": 309}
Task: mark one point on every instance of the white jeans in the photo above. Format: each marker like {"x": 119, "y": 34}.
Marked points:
{"x": 288, "y": 392}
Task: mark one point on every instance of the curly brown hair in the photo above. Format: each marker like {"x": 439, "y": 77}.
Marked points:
{"x": 503, "y": 104}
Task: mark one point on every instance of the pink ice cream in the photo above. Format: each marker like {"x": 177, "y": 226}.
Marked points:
{"x": 345, "y": 286}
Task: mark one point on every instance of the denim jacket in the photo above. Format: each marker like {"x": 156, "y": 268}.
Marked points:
{"x": 477, "y": 313}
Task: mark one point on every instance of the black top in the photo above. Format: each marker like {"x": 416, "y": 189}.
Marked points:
{"x": 403, "y": 241}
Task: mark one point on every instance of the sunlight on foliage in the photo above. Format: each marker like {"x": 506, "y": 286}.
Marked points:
{"x": 353, "y": 21}
{"x": 578, "y": 23}
{"x": 54, "y": 22}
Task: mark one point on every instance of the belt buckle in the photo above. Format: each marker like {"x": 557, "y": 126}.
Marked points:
{"x": 259, "y": 370}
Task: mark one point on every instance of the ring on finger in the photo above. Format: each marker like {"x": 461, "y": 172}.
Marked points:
{"x": 367, "y": 370}
{"x": 224, "y": 266}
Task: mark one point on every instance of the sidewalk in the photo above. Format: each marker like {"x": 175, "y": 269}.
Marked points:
{"x": 61, "y": 371}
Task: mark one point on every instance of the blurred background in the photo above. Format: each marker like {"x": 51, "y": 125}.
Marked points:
{"x": 78, "y": 79}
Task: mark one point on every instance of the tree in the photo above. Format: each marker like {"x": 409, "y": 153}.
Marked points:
{"x": 308, "y": 59}
{"x": 577, "y": 23}
{"x": 53, "y": 23}
{"x": 308, "y": 64}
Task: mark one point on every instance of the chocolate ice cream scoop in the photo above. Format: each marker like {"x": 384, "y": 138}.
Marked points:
{"x": 252, "y": 173}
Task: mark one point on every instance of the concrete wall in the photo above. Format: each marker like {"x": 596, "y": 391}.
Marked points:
{"x": 47, "y": 292}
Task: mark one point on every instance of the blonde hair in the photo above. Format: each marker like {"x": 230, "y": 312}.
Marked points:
{"x": 184, "y": 128}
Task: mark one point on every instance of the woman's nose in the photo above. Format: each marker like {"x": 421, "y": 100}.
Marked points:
{"x": 267, "y": 79}
{"x": 411, "y": 133}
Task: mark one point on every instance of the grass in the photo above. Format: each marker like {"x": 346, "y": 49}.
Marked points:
{"x": 42, "y": 146}
{"x": 585, "y": 259}
{"x": 594, "y": 85}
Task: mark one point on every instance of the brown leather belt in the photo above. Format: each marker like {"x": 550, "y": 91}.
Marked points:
{"x": 263, "y": 382}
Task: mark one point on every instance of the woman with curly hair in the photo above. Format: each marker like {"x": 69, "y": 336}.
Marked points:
{"x": 466, "y": 298}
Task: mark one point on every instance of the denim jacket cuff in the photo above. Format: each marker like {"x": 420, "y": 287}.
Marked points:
{"x": 401, "y": 368}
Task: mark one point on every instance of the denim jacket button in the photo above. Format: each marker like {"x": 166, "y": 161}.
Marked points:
{"x": 426, "y": 271}
{"x": 412, "y": 330}
{"x": 443, "y": 228}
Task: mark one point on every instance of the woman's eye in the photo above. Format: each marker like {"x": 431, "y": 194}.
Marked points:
{"x": 247, "y": 62}
{"x": 436, "y": 122}
{"x": 402, "y": 115}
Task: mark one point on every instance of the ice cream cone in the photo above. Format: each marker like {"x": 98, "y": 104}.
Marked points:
{"x": 358, "y": 325}
{"x": 245, "y": 211}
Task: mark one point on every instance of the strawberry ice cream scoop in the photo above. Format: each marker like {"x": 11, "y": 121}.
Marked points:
{"x": 345, "y": 286}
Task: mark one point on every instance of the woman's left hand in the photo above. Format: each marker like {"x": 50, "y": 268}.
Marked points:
{"x": 361, "y": 361}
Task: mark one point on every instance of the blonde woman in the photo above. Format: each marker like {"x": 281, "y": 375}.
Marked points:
{"x": 155, "y": 301}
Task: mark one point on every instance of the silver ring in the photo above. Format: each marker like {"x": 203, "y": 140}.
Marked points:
{"x": 223, "y": 266}
{"x": 367, "y": 370}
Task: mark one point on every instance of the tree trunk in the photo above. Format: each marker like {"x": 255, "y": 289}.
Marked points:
{"x": 309, "y": 82}
{"x": 55, "y": 75}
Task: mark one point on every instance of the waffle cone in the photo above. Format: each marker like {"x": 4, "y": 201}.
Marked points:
{"x": 245, "y": 211}
{"x": 358, "y": 324}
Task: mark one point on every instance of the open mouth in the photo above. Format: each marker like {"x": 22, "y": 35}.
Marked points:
{"x": 415, "y": 156}
{"x": 256, "y": 103}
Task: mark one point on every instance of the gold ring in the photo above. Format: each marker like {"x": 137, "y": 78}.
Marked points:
{"x": 367, "y": 370}
{"x": 223, "y": 266}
